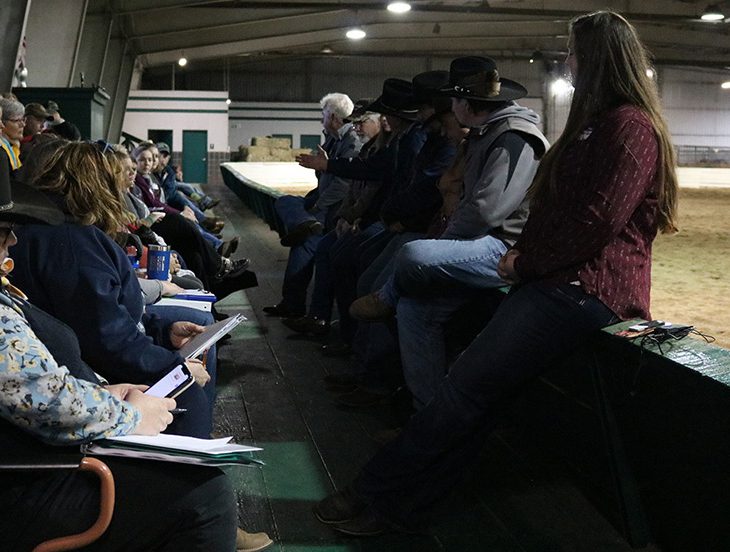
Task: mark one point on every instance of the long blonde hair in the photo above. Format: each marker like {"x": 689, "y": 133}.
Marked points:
{"x": 83, "y": 176}
{"x": 612, "y": 71}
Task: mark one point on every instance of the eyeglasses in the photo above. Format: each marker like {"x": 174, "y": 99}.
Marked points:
{"x": 18, "y": 120}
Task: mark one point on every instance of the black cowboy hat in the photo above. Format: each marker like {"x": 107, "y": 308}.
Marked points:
{"x": 428, "y": 84}
{"x": 22, "y": 204}
{"x": 427, "y": 87}
{"x": 360, "y": 110}
{"x": 396, "y": 99}
{"x": 476, "y": 78}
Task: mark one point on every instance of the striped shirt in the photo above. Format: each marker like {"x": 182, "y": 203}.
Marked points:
{"x": 599, "y": 226}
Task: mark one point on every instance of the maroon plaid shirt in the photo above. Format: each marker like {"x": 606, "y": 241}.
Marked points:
{"x": 599, "y": 226}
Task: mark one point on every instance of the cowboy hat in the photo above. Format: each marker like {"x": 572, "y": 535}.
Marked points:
{"x": 360, "y": 111}
{"x": 396, "y": 99}
{"x": 477, "y": 78}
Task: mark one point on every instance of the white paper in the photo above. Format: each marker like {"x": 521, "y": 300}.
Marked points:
{"x": 161, "y": 456}
{"x": 212, "y": 333}
{"x": 191, "y": 444}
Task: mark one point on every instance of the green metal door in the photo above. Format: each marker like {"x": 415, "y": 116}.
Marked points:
{"x": 195, "y": 156}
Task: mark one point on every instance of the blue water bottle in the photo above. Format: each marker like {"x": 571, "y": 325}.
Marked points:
{"x": 158, "y": 262}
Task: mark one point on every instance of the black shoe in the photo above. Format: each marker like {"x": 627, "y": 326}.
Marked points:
{"x": 308, "y": 325}
{"x": 230, "y": 268}
{"x": 362, "y": 398}
{"x": 283, "y": 311}
{"x": 229, "y": 247}
{"x": 301, "y": 233}
{"x": 212, "y": 225}
{"x": 205, "y": 205}
{"x": 366, "y": 524}
{"x": 335, "y": 350}
{"x": 339, "y": 507}
{"x": 223, "y": 287}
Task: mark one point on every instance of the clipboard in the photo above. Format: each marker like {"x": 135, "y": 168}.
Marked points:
{"x": 210, "y": 336}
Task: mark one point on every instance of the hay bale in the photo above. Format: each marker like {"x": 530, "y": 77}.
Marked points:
{"x": 255, "y": 153}
{"x": 282, "y": 154}
{"x": 261, "y": 141}
{"x": 280, "y": 143}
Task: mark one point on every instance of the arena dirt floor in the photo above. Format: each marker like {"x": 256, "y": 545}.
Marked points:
{"x": 691, "y": 270}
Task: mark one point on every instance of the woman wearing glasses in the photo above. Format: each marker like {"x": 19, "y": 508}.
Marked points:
{"x": 11, "y": 130}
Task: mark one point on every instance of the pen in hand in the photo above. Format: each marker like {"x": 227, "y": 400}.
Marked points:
{"x": 177, "y": 410}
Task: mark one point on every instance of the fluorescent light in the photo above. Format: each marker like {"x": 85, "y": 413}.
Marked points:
{"x": 725, "y": 85}
{"x": 712, "y": 13}
{"x": 182, "y": 62}
{"x": 399, "y": 7}
{"x": 560, "y": 86}
{"x": 355, "y": 34}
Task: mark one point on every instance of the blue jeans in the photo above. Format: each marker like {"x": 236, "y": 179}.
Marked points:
{"x": 345, "y": 257}
{"x": 425, "y": 266}
{"x": 199, "y": 215}
{"x": 172, "y": 314}
{"x": 375, "y": 344}
{"x": 440, "y": 277}
{"x": 210, "y": 238}
{"x": 536, "y": 324}
{"x": 298, "y": 274}
{"x": 292, "y": 211}
{"x": 323, "y": 295}
{"x": 189, "y": 189}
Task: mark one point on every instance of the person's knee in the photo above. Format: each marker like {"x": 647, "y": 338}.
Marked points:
{"x": 209, "y": 511}
{"x": 409, "y": 265}
{"x": 217, "y": 499}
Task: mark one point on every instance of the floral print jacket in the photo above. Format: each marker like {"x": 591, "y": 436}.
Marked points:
{"x": 43, "y": 398}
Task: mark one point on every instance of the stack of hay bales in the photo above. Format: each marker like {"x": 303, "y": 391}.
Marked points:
{"x": 266, "y": 148}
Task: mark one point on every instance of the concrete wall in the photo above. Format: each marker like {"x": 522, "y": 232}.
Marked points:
{"x": 249, "y": 119}
{"x": 178, "y": 111}
{"x": 696, "y": 107}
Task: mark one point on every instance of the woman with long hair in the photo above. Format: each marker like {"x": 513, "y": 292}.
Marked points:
{"x": 583, "y": 261}
{"x": 219, "y": 274}
{"x": 77, "y": 273}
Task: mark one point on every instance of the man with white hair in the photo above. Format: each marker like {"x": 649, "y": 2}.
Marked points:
{"x": 305, "y": 219}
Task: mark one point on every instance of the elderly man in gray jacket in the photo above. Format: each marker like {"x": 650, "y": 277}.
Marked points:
{"x": 305, "y": 219}
{"x": 434, "y": 278}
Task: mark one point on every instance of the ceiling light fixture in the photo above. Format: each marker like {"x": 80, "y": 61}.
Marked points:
{"x": 326, "y": 49}
{"x": 183, "y": 61}
{"x": 725, "y": 85}
{"x": 712, "y": 13}
{"x": 355, "y": 33}
{"x": 650, "y": 73}
{"x": 399, "y": 7}
{"x": 228, "y": 101}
